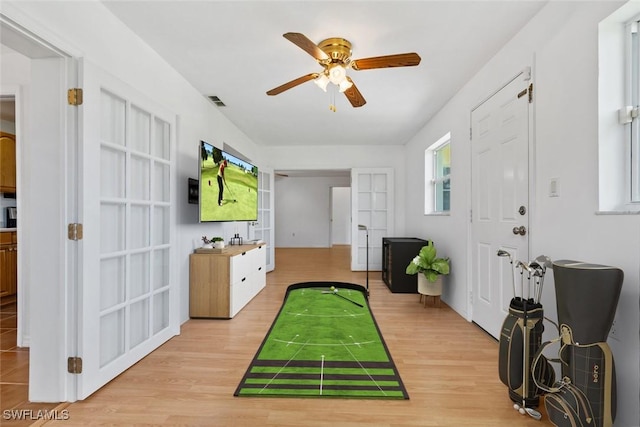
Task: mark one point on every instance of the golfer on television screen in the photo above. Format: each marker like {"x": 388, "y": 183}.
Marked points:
{"x": 223, "y": 164}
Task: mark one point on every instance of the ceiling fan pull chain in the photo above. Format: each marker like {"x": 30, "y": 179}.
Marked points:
{"x": 332, "y": 99}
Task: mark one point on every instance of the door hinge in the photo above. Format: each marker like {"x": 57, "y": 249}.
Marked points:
{"x": 525, "y": 91}
{"x": 74, "y": 96}
{"x": 74, "y": 231}
{"x": 74, "y": 365}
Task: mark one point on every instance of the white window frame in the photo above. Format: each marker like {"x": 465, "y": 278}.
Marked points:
{"x": 632, "y": 95}
{"x": 430, "y": 180}
{"x": 618, "y": 147}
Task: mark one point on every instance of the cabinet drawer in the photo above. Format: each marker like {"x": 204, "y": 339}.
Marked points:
{"x": 8, "y": 238}
{"x": 240, "y": 267}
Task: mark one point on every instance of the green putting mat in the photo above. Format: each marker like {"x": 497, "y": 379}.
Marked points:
{"x": 324, "y": 343}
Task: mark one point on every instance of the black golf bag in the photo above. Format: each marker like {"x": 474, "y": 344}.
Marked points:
{"x": 587, "y": 296}
{"x": 520, "y": 339}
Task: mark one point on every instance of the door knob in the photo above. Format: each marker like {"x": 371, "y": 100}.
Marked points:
{"x": 520, "y": 230}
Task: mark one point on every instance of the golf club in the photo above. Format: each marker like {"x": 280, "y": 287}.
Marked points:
{"x": 525, "y": 353}
{"x": 503, "y": 253}
{"x": 545, "y": 262}
{"x": 538, "y": 273}
{"x": 334, "y": 291}
{"x": 230, "y": 192}
{"x": 522, "y": 267}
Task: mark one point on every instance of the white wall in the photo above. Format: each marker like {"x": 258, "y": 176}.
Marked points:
{"x": 337, "y": 157}
{"x": 341, "y": 216}
{"x": 304, "y": 210}
{"x": 561, "y": 44}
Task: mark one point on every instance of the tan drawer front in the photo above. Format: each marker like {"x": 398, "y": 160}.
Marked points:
{"x": 8, "y": 238}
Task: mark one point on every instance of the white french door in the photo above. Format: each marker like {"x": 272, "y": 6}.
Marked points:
{"x": 372, "y": 206}
{"x": 264, "y": 229}
{"x": 128, "y": 292}
{"x": 500, "y": 199}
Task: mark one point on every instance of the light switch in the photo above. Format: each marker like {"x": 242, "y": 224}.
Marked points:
{"x": 554, "y": 187}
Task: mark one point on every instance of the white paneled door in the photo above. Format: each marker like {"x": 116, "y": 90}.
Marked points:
{"x": 264, "y": 229}
{"x": 128, "y": 294}
{"x": 372, "y": 206}
{"x": 500, "y": 199}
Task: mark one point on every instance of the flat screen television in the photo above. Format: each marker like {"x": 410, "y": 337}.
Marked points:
{"x": 228, "y": 186}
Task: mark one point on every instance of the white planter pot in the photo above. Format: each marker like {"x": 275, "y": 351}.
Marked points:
{"x": 426, "y": 287}
{"x": 207, "y": 246}
{"x": 219, "y": 245}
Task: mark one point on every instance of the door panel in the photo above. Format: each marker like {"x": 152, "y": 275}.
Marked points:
{"x": 500, "y": 144}
{"x": 128, "y": 293}
{"x": 372, "y": 206}
{"x": 264, "y": 228}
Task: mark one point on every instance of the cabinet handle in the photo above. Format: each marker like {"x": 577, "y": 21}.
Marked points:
{"x": 243, "y": 279}
{"x": 244, "y": 253}
{"x": 259, "y": 268}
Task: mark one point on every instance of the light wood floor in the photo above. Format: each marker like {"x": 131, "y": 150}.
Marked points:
{"x": 449, "y": 367}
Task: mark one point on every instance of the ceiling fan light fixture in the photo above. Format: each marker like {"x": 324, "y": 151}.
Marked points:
{"x": 337, "y": 74}
{"x": 322, "y": 81}
{"x": 334, "y": 55}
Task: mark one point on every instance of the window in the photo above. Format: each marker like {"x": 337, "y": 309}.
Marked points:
{"x": 633, "y": 94}
{"x": 438, "y": 176}
{"x": 618, "y": 111}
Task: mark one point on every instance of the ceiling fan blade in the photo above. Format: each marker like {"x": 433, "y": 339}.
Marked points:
{"x": 399, "y": 60}
{"x": 307, "y": 45}
{"x": 292, "y": 84}
{"x": 354, "y": 96}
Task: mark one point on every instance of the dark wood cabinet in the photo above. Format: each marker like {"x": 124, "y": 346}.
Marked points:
{"x": 7, "y": 163}
{"x": 8, "y": 263}
{"x": 397, "y": 253}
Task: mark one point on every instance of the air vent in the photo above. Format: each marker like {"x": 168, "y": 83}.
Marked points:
{"x": 216, "y": 101}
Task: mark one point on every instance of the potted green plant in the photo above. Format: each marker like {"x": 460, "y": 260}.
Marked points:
{"x": 431, "y": 268}
{"x": 216, "y": 241}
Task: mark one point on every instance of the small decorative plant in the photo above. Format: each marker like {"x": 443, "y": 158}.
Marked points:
{"x": 427, "y": 263}
{"x": 210, "y": 241}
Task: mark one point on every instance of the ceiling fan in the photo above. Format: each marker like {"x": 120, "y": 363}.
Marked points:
{"x": 334, "y": 55}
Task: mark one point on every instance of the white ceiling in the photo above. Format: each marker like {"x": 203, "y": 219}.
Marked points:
{"x": 235, "y": 50}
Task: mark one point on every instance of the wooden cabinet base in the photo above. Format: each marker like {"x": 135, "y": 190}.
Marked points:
{"x": 221, "y": 284}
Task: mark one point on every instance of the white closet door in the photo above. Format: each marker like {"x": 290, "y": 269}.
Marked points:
{"x": 264, "y": 228}
{"x": 372, "y": 206}
{"x": 128, "y": 292}
{"x": 500, "y": 200}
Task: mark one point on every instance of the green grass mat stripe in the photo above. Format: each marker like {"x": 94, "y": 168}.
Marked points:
{"x": 326, "y": 364}
{"x": 318, "y": 369}
{"x": 359, "y": 394}
{"x": 319, "y": 384}
{"x": 327, "y": 377}
{"x": 327, "y": 387}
